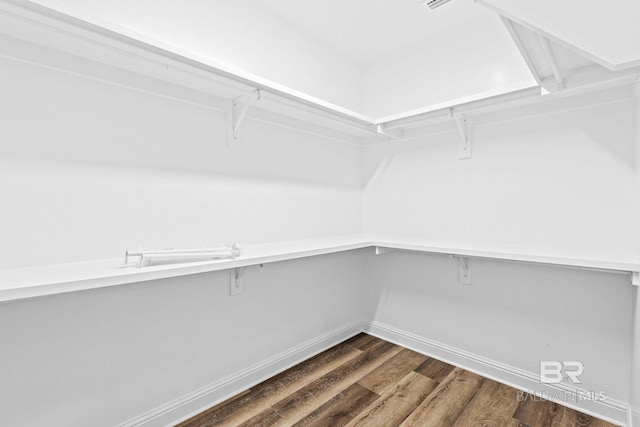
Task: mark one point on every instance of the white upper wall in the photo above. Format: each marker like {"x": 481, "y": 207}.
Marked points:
{"x": 560, "y": 183}
{"x": 236, "y": 34}
{"x": 90, "y": 168}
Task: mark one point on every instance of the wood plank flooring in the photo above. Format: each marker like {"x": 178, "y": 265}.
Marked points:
{"x": 366, "y": 381}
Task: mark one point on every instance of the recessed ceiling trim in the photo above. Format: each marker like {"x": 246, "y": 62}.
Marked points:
{"x": 622, "y": 62}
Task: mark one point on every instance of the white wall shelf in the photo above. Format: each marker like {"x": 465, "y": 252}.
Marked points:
{"x": 506, "y": 253}
{"x": 133, "y": 52}
{"x": 25, "y": 283}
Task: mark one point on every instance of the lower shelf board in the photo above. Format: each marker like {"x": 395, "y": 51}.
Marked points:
{"x": 366, "y": 381}
{"x": 39, "y": 281}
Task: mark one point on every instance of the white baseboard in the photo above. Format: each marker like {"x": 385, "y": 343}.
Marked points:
{"x": 203, "y": 399}
{"x": 609, "y": 409}
{"x": 181, "y": 409}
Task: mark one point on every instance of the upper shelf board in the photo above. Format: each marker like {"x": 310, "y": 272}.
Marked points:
{"x": 119, "y": 46}
{"x": 122, "y": 48}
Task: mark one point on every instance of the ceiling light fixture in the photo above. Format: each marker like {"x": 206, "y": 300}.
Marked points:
{"x": 432, "y": 4}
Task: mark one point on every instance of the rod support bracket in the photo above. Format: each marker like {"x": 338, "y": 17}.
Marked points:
{"x": 561, "y": 81}
{"x": 635, "y": 278}
{"x": 464, "y": 146}
{"x": 389, "y": 134}
{"x": 381, "y": 250}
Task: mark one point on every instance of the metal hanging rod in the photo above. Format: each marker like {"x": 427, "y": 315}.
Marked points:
{"x": 145, "y": 257}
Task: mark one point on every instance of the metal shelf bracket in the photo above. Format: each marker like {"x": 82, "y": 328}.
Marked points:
{"x": 464, "y": 147}
{"x": 239, "y": 107}
{"x": 464, "y": 270}
{"x": 236, "y": 285}
{"x": 635, "y": 278}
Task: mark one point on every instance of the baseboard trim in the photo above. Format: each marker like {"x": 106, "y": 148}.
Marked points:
{"x": 609, "y": 409}
{"x": 194, "y": 403}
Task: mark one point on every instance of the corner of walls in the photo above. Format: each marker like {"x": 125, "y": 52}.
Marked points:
{"x": 560, "y": 181}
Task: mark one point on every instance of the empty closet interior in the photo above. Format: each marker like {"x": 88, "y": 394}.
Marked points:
{"x": 460, "y": 178}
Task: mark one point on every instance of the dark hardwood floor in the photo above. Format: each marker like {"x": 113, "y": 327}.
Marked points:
{"x": 366, "y": 381}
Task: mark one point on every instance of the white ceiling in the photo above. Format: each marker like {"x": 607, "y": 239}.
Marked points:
{"x": 363, "y": 31}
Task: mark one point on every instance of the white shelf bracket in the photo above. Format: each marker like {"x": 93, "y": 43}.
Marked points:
{"x": 380, "y": 250}
{"x": 239, "y": 107}
{"x": 464, "y": 147}
{"x": 464, "y": 270}
{"x": 236, "y": 284}
{"x": 561, "y": 83}
{"x": 635, "y": 278}
{"x": 526, "y": 55}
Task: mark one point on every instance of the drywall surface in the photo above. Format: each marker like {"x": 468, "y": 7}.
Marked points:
{"x": 244, "y": 36}
{"x": 556, "y": 183}
{"x": 102, "y": 357}
{"x": 515, "y": 314}
{"x": 91, "y": 168}
{"x": 58, "y": 213}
